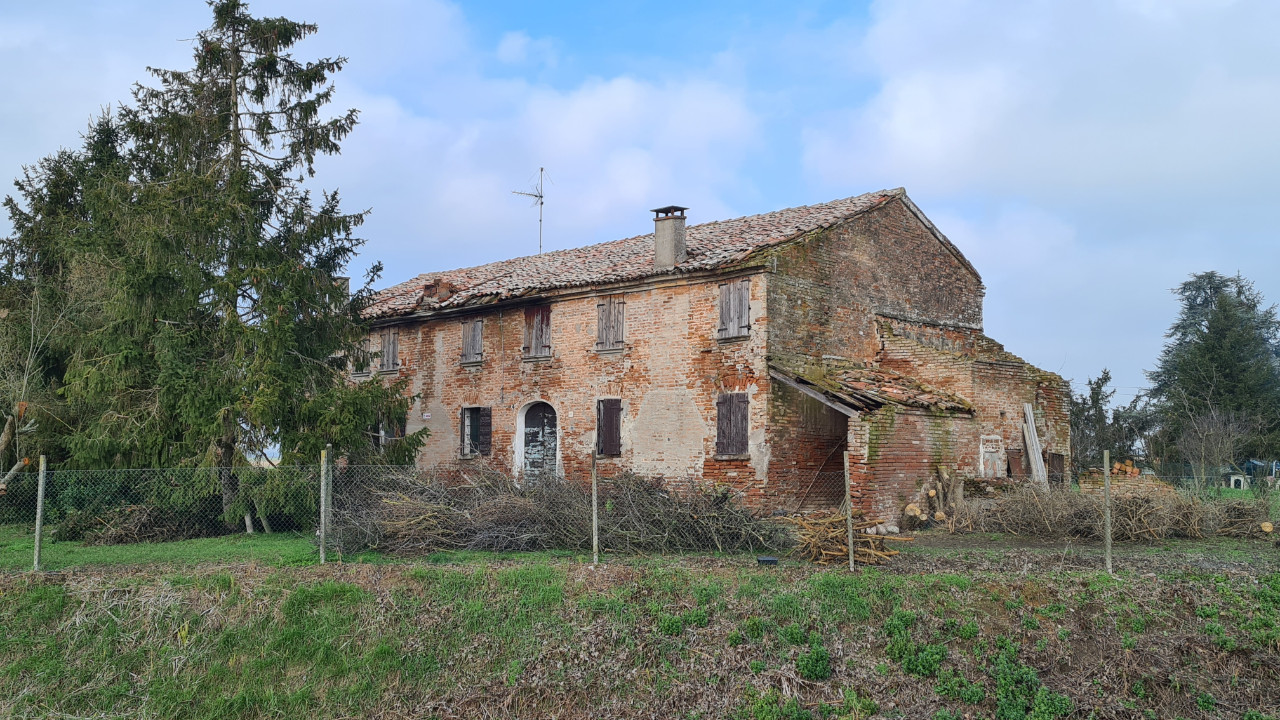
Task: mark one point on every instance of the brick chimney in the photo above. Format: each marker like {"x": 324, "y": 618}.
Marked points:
{"x": 668, "y": 237}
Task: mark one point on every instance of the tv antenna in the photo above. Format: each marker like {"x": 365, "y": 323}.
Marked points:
{"x": 537, "y": 196}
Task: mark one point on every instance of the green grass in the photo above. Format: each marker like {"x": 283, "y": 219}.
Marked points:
{"x": 17, "y": 545}
{"x": 201, "y": 635}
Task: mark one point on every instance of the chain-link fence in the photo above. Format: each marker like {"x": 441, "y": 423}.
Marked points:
{"x": 470, "y": 505}
{"x": 397, "y": 510}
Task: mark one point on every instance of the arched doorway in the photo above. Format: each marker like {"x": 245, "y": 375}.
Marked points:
{"x": 539, "y": 440}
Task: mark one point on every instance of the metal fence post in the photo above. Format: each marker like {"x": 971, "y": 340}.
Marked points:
{"x": 1106, "y": 507}
{"x": 848, "y": 504}
{"x": 595, "y": 513}
{"x": 324, "y": 501}
{"x": 39, "y": 514}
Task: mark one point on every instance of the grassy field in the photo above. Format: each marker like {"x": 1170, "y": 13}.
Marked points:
{"x": 985, "y": 627}
{"x": 17, "y": 545}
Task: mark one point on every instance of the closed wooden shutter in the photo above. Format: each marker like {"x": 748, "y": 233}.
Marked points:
{"x": 462, "y": 433}
{"x": 731, "y": 424}
{"x": 602, "y": 325}
{"x": 610, "y": 324}
{"x": 484, "y": 418}
{"x": 735, "y": 309}
{"x": 537, "y": 331}
{"x": 742, "y": 311}
{"x": 472, "y": 341}
{"x": 726, "y": 311}
{"x": 609, "y": 427}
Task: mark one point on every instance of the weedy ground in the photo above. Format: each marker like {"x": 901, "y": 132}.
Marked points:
{"x": 981, "y": 627}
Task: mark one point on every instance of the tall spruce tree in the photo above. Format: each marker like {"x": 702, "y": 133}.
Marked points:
{"x": 224, "y": 326}
{"x": 1221, "y": 362}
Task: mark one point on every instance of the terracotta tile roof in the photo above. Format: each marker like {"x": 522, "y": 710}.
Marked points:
{"x": 711, "y": 245}
{"x": 864, "y": 387}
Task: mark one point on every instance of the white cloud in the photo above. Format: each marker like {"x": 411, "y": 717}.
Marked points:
{"x": 1069, "y": 101}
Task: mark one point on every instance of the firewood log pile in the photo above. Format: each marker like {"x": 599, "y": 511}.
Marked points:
{"x": 823, "y": 539}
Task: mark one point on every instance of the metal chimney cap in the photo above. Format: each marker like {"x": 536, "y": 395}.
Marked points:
{"x": 668, "y": 211}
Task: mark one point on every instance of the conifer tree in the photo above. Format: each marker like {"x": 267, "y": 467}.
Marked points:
{"x": 224, "y": 325}
{"x": 1221, "y": 362}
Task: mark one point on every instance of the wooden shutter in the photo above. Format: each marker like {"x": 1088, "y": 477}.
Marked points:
{"x": 742, "y": 311}
{"x": 609, "y": 324}
{"x": 602, "y": 324}
{"x": 740, "y": 422}
{"x": 395, "y": 348}
{"x": 618, "y": 323}
{"x": 484, "y": 418}
{"x": 726, "y": 311}
{"x": 472, "y": 341}
{"x": 609, "y": 427}
{"x": 462, "y": 432}
{"x": 537, "y": 331}
{"x": 731, "y": 424}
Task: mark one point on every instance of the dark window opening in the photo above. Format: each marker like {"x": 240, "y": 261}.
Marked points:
{"x": 735, "y": 309}
{"x": 537, "y": 332}
{"x": 388, "y": 431}
{"x": 609, "y": 427}
{"x": 610, "y": 324}
{"x": 731, "y": 424}
{"x": 472, "y": 341}
{"x": 476, "y": 431}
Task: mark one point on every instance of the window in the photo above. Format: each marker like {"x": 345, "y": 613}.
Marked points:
{"x": 537, "y": 332}
{"x": 388, "y": 431}
{"x": 735, "y": 309}
{"x": 731, "y": 424}
{"x": 472, "y": 341}
{"x": 390, "y": 357}
{"x": 476, "y": 431}
{"x": 609, "y": 427}
{"x": 609, "y": 323}
{"x": 360, "y": 366}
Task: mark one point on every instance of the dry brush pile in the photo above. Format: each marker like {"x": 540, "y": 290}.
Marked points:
{"x": 1068, "y": 514}
{"x": 410, "y": 512}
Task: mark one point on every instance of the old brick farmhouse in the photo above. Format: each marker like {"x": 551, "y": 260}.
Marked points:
{"x": 754, "y": 352}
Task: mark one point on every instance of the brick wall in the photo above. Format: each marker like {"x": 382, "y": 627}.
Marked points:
{"x": 668, "y": 377}
{"x": 996, "y": 382}
{"x": 905, "y": 448}
{"x": 827, "y": 290}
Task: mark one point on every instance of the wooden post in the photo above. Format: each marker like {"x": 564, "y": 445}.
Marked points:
{"x": 848, "y": 506}
{"x": 595, "y": 513}
{"x": 1106, "y": 507}
{"x": 324, "y": 501}
{"x": 39, "y": 513}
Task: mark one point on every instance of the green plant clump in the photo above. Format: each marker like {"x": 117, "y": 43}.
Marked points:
{"x": 1019, "y": 692}
{"x": 814, "y": 664}
{"x": 952, "y": 684}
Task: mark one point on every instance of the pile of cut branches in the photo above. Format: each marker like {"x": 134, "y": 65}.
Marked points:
{"x": 823, "y": 538}
{"x": 133, "y": 524}
{"x": 1068, "y": 514}
{"x": 479, "y": 508}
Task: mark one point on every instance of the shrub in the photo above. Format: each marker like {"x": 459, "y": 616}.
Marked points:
{"x": 814, "y": 664}
{"x": 670, "y": 625}
{"x": 952, "y": 684}
{"x": 793, "y": 634}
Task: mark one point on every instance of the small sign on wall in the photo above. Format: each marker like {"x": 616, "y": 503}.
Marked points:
{"x": 991, "y": 456}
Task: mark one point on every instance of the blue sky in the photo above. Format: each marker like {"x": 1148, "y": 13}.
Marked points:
{"x": 1086, "y": 155}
